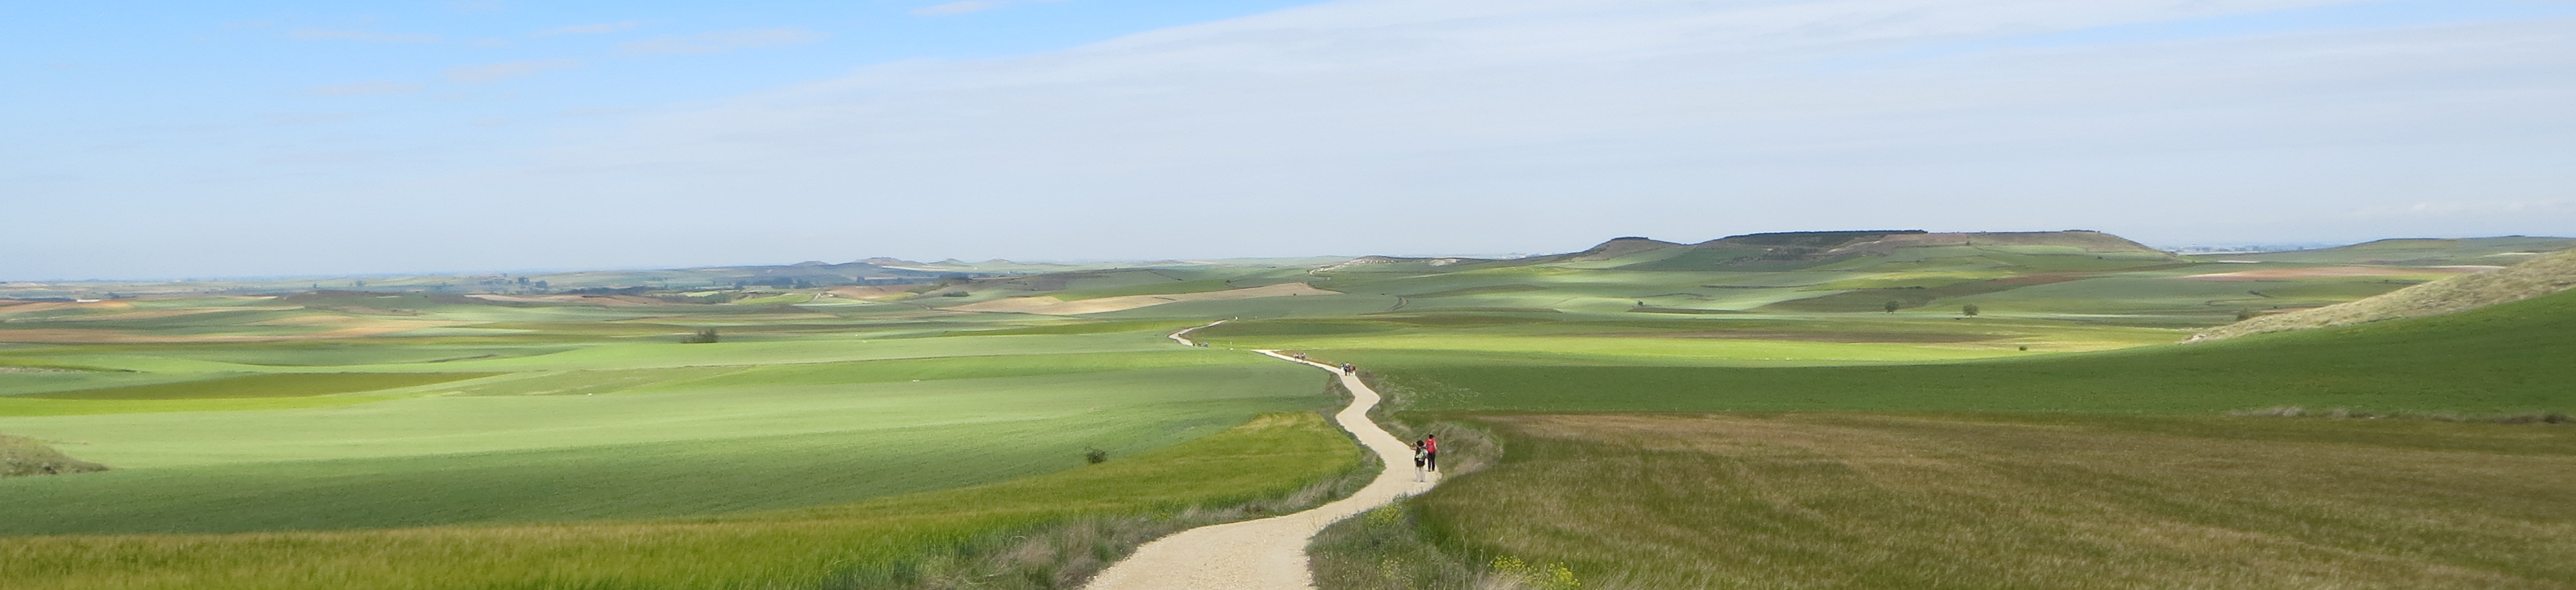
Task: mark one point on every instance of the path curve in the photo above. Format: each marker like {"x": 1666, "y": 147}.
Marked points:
{"x": 1269, "y": 553}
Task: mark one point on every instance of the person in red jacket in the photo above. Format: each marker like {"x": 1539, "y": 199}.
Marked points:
{"x": 1431, "y": 453}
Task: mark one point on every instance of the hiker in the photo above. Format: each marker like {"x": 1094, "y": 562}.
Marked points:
{"x": 1347, "y": 368}
{"x": 1419, "y": 460}
{"x": 1431, "y": 453}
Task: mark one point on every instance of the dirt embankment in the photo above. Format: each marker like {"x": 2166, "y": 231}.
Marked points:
{"x": 2534, "y": 278}
{"x": 26, "y": 456}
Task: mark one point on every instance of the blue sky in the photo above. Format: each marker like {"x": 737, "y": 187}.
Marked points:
{"x": 280, "y": 138}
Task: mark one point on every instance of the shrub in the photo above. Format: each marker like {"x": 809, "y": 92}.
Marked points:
{"x": 704, "y": 336}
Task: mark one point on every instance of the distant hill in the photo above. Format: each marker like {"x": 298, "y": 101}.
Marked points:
{"x": 2500, "y": 250}
{"x": 1793, "y": 250}
{"x": 2548, "y": 274}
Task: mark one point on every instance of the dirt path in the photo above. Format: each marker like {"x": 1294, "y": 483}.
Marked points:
{"x": 1271, "y": 552}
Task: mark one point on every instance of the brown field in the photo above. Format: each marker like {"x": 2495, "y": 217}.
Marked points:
{"x": 1049, "y": 305}
{"x": 2330, "y": 272}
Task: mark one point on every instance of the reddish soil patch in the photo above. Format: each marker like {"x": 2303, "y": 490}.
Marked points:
{"x": 1845, "y": 337}
{"x": 2328, "y": 272}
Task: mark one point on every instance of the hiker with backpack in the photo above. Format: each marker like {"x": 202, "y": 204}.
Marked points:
{"x": 1420, "y": 459}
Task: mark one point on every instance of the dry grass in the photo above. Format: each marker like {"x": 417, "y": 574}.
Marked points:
{"x": 2539, "y": 276}
{"x": 1880, "y": 501}
{"x": 21, "y": 456}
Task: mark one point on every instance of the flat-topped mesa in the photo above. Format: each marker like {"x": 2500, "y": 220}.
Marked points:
{"x": 1800, "y": 245}
{"x": 2081, "y": 239}
{"x": 1621, "y": 246}
{"x": 1807, "y": 239}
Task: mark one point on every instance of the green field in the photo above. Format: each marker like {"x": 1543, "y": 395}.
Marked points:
{"x": 2505, "y": 359}
{"x": 297, "y": 440}
{"x": 1818, "y": 410}
{"x": 874, "y": 543}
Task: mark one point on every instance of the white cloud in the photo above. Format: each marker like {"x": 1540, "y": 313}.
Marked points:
{"x": 2469, "y": 208}
{"x": 1693, "y": 118}
{"x": 956, "y": 8}
{"x": 369, "y": 36}
{"x": 589, "y": 29}
{"x": 379, "y": 87}
{"x": 489, "y": 73}
{"x": 722, "y": 41}
{"x": 1442, "y": 126}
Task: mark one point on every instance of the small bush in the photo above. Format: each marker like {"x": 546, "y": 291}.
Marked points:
{"x": 704, "y": 336}
{"x": 1095, "y": 456}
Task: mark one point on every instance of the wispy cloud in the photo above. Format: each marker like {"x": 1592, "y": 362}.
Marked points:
{"x": 489, "y": 73}
{"x": 722, "y": 41}
{"x": 379, "y": 87}
{"x": 956, "y": 8}
{"x": 1915, "y": 113}
{"x": 589, "y": 29}
{"x": 369, "y": 36}
{"x": 2449, "y": 208}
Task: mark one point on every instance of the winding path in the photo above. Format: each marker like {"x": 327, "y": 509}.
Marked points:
{"x": 1269, "y": 553}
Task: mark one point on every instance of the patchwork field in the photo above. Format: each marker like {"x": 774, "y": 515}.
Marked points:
{"x": 542, "y": 444}
{"x": 1802, "y": 410}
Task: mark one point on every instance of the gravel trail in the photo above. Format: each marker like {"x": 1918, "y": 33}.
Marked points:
{"x": 1269, "y": 553}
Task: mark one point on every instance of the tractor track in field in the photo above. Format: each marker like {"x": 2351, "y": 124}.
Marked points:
{"x": 1268, "y": 553}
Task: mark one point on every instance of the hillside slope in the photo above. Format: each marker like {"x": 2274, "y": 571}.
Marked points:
{"x": 2545, "y": 275}
{"x": 2501, "y": 359}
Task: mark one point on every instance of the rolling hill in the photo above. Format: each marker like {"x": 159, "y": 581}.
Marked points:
{"x": 2544, "y": 275}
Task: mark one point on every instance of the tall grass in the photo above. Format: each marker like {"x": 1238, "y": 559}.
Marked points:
{"x": 1269, "y": 465}
{"x": 1867, "y": 501}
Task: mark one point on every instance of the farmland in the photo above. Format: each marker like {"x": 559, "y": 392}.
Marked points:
{"x": 2393, "y": 454}
{"x": 842, "y": 432}
{"x": 505, "y": 443}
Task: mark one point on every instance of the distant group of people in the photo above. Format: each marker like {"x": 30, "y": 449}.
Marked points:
{"x": 1426, "y": 456}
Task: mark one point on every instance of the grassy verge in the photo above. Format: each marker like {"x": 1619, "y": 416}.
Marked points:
{"x": 1839, "y": 500}
{"x": 1271, "y": 464}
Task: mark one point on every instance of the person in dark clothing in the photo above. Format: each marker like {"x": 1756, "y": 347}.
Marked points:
{"x": 1347, "y": 368}
{"x": 1419, "y": 460}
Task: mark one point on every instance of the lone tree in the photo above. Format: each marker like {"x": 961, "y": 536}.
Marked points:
{"x": 1893, "y": 304}
{"x": 704, "y": 336}
{"x": 1969, "y": 310}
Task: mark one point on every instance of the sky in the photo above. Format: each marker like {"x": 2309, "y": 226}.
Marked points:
{"x": 283, "y": 138}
